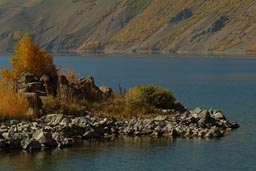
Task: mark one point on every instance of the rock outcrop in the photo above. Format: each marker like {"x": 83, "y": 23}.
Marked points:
{"x": 33, "y": 87}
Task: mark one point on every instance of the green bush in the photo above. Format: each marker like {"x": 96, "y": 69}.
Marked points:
{"x": 150, "y": 94}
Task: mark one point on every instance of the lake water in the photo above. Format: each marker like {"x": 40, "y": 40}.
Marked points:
{"x": 228, "y": 84}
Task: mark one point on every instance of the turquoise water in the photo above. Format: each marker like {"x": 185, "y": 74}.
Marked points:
{"x": 228, "y": 84}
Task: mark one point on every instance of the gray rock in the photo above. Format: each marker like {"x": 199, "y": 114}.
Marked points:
{"x": 197, "y": 110}
{"x": 3, "y": 129}
{"x": 204, "y": 115}
{"x": 155, "y": 134}
{"x": 6, "y": 135}
{"x": 36, "y": 87}
{"x": 201, "y": 133}
{"x": 30, "y": 144}
{"x": 35, "y": 126}
{"x": 217, "y": 133}
{"x": 54, "y": 119}
{"x": 62, "y": 141}
{"x": 44, "y": 138}
{"x": 161, "y": 118}
{"x": 27, "y": 77}
{"x": 234, "y": 125}
{"x": 92, "y": 134}
{"x": 106, "y": 92}
{"x": 204, "y": 118}
{"x": 169, "y": 127}
{"x": 174, "y": 133}
{"x": 65, "y": 121}
{"x": 80, "y": 121}
{"x": 219, "y": 116}
{"x": 213, "y": 132}
{"x": 209, "y": 134}
{"x": 89, "y": 90}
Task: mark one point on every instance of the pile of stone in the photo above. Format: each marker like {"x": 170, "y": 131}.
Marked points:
{"x": 58, "y": 130}
{"x": 190, "y": 124}
{"x": 34, "y": 88}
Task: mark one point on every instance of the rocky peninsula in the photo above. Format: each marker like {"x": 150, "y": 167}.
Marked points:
{"x": 45, "y": 130}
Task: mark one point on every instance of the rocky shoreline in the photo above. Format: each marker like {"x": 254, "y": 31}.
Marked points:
{"x": 59, "y": 131}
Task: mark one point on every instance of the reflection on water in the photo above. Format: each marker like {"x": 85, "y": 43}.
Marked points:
{"x": 131, "y": 153}
{"x": 86, "y": 152}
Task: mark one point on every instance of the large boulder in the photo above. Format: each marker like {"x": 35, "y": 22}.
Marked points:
{"x": 44, "y": 137}
{"x": 204, "y": 118}
{"x": 89, "y": 90}
{"x": 218, "y": 115}
{"x": 204, "y": 115}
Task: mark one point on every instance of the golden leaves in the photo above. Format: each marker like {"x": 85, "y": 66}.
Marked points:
{"x": 29, "y": 58}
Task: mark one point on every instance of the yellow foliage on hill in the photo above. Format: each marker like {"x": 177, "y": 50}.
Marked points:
{"x": 228, "y": 44}
{"x": 29, "y": 58}
{"x": 146, "y": 23}
{"x": 92, "y": 45}
{"x": 252, "y": 48}
{"x": 153, "y": 28}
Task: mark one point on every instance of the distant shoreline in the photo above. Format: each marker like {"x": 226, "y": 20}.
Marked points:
{"x": 148, "y": 53}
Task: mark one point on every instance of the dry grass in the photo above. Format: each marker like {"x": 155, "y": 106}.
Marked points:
{"x": 71, "y": 75}
{"x": 119, "y": 109}
{"x": 55, "y": 105}
{"x": 12, "y": 105}
{"x": 144, "y": 101}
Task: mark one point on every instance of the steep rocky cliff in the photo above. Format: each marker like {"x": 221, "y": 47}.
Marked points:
{"x": 167, "y": 26}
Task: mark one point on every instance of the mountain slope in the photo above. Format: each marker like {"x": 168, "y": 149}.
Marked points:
{"x": 182, "y": 26}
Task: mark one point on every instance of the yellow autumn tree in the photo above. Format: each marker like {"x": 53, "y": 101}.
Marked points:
{"x": 29, "y": 57}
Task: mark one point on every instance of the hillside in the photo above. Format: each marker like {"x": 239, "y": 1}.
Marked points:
{"x": 166, "y": 26}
